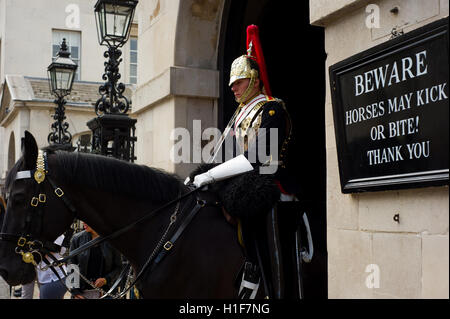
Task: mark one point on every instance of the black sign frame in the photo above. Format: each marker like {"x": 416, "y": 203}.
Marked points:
{"x": 358, "y": 172}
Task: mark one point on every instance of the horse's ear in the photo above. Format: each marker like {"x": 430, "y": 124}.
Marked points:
{"x": 29, "y": 150}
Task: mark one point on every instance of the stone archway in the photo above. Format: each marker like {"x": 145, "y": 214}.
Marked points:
{"x": 194, "y": 75}
{"x": 197, "y": 33}
{"x": 82, "y": 141}
{"x": 209, "y": 34}
{"x": 295, "y": 57}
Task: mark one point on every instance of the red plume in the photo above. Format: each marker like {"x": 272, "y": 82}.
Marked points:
{"x": 253, "y": 37}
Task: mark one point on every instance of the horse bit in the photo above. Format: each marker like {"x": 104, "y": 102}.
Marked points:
{"x": 26, "y": 244}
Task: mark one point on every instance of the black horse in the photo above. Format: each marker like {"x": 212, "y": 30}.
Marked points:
{"x": 109, "y": 194}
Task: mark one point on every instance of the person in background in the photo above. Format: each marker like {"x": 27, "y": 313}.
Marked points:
{"x": 50, "y": 286}
{"x": 27, "y": 291}
{"x": 101, "y": 265}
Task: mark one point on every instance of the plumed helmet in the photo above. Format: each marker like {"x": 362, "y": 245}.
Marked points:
{"x": 242, "y": 67}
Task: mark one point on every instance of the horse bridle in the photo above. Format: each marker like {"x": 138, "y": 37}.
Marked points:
{"x": 41, "y": 174}
{"x": 26, "y": 244}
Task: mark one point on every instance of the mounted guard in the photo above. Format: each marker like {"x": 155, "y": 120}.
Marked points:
{"x": 42, "y": 184}
{"x": 261, "y": 202}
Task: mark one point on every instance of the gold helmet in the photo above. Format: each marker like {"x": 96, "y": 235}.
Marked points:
{"x": 241, "y": 69}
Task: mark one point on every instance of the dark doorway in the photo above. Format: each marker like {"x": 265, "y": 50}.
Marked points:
{"x": 295, "y": 57}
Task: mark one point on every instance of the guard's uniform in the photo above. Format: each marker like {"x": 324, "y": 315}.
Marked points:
{"x": 261, "y": 129}
{"x": 262, "y": 132}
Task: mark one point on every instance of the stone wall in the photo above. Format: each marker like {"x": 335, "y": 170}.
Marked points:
{"x": 178, "y": 77}
{"x": 362, "y": 236}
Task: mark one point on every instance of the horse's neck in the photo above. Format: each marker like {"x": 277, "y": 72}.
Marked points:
{"x": 106, "y": 214}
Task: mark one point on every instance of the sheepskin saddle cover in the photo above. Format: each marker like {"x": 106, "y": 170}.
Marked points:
{"x": 245, "y": 196}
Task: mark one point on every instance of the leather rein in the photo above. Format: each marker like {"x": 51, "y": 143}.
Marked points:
{"x": 27, "y": 244}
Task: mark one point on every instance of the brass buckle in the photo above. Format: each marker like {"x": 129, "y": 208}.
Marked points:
{"x": 168, "y": 245}
{"x": 42, "y": 198}
{"x": 21, "y": 242}
{"x": 31, "y": 244}
{"x": 59, "y": 192}
{"x": 201, "y": 202}
{"x": 34, "y": 201}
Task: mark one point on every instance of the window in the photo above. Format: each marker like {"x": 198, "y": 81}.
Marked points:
{"x": 84, "y": 143}
{"x": 133, "y": 60}
{"x": 73, "y": 40}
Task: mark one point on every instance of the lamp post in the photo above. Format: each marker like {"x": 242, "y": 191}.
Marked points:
{"x": 61, "y": 74}
{"x": 113, "y": 132}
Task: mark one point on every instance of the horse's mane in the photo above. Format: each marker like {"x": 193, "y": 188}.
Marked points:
{"x": 244, "y": 195}
{"x": 115, "y": 176}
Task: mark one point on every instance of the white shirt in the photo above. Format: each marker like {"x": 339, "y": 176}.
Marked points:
{"x": 46, "y": 276}
{"x": 248, "y": 108}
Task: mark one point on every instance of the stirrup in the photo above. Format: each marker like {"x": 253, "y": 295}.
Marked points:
{"x": 250, "y": 281}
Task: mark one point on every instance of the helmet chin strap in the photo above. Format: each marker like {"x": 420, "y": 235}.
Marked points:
{"x": 244, "y": 97}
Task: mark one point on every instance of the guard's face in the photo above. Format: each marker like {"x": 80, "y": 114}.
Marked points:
{"x": 239, "y": 86}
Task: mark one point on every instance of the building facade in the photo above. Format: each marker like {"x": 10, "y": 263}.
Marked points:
{"x": 27, "y": 49}
{"x": 398, "y": 236}
{"x": 185, "y": 49}
{"x": 368, "y": 254}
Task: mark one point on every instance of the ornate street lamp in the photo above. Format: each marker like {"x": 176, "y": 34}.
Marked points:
{"x": 61, "y": 73}
{"x": 113, "y": 131}
{"x": 114, "y": 19}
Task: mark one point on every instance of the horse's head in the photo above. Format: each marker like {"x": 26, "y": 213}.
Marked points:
{"x": 34, "y": 215}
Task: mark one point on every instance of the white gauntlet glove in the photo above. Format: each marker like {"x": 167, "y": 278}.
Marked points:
{"x": 230, "y": 168}
{"x": 203, "y": 179}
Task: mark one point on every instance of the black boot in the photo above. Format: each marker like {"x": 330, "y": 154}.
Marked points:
{"x": 18, "y": 292}
{"x": 251, "y": 278}
{"x": 257, "y": 253}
